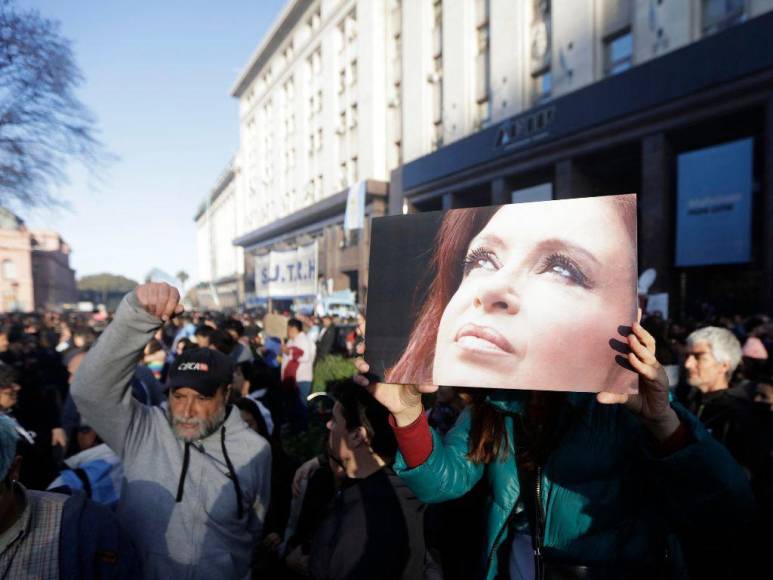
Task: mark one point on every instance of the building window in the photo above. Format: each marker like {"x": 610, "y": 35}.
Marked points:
{"x": 353, "y": 116}
{"x": 314, "y": 20}
{"x": 9, "y": 270}
{"x": 289, "y": 90}
{"x": 288, "y": 53}
{"x": 436, "y": 78}
{"x": 542, "y": 79}
{"x": 341, "y": 81}
{"x": 350, "y": 27}
{"x": 618, "y": 53}
{"x": 717, "y": 15}
{"x": 341, "y": 129}
{"x": 482, "y": 65}
{"x": 315, "y": 62}
{"x": 542, "y": 86}
{"x": 395, "y": 97}
{"x": 353, "y": 72}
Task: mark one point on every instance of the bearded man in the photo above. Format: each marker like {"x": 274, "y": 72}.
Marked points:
{"x": 197, "y": 477}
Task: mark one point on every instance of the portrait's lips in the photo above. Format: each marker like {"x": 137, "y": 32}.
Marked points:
{"x": 482, "y": 339}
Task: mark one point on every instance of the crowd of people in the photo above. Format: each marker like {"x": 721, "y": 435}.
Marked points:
{"x": 152, "y": 443}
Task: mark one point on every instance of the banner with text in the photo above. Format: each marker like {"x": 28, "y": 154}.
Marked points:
{"x": 287, "y": 273}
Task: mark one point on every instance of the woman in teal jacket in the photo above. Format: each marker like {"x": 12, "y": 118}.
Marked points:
{"x": 610, "y": 489}
{"x": 581, "y": 485}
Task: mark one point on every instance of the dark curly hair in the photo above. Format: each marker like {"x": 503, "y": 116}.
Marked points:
{"x": 8, "y": 375}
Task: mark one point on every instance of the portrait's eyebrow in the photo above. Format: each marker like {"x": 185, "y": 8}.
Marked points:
{"x": 556, "y": 244}
{"x": 489, "y": 240}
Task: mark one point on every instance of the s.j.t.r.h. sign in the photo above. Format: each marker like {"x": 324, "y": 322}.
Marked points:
{"x": 287, "y": 273}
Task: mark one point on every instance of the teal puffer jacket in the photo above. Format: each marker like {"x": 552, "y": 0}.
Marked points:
{"x": 605, "y": 495}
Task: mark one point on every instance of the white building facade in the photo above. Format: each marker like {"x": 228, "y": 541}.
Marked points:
{"x": 220, "y": 263}
{"x": 347, "y": 91}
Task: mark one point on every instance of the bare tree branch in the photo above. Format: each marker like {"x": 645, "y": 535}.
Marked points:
{"x": 43, "y": 125}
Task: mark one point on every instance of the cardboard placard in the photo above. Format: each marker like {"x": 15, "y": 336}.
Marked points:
{"x": 275, "y": 325}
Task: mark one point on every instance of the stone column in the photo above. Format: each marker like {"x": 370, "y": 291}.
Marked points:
{"x": 570, "y": 181}
{"x": 500, "y": 191}
{"x": 767, "y": 209}
{"x": 657, "y": 223}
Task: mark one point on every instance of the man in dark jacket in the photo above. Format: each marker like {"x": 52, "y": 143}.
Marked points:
{"x": 52, "y": 535}
{"x": 374, "y": 527}
{"x": 327, "y": 337}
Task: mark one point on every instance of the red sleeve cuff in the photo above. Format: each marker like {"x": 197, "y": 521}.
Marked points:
{"x": 674, "y": 442}
{"x": 414, "y": 440}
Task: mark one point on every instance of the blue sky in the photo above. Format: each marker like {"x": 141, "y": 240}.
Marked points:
{"x": 157, "y": 77}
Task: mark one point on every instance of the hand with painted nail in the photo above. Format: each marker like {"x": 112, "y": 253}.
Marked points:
{"x": 652, "y": 404}
{"x": 160, "y": 300}
{"x": 403, "y": 401}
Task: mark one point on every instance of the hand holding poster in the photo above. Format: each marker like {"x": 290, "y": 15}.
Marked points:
{"x": 533, "y": 296}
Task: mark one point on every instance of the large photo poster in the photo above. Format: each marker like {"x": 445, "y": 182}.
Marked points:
{"x": 534, "y": 295}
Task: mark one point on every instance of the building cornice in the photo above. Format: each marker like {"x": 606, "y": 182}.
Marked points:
{"x": 320, "y": 212}
{"x": 283, "y": 25}
{"x": 226, "y": 177}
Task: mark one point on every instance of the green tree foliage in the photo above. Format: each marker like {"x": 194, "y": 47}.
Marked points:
{"x": 107, "y": 289}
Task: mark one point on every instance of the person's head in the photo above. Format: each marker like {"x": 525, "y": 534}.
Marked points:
{"x": 10, "y": 466}
{"x": 713, "y": 354}
{"x": 9, "y": 388}
{"x": 184, "y": 344}
{"x": 203, "y": 335}
{"x": 83, "y": 336}
{"x": 87, "y": 437}
{"x": 234, "y": 328}
{"x": 222, "y": 341}
{"x": 73, "y": 363}
{"x": 3, "y": 341}
{"x": 251, "y": 414}
{"x": 294, "y": 328}
{"x": 327, "y": 321}
{"x": 529, "y": 295}
{"x": 361, "y": 438}
{"x": 199, "y": 385}
{"x": 154, "y": 346}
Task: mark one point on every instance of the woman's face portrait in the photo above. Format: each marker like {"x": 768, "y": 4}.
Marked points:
{"x": 544, "y": 289}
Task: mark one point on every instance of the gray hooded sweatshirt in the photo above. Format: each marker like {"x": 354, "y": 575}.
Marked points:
{"x": 179, "y": 502}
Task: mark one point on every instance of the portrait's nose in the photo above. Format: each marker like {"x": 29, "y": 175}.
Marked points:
{"x": 497, "y": 293}
{"x": 689, "y": 362}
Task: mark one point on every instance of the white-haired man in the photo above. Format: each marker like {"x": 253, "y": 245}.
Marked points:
{"x": 713, "y": 354}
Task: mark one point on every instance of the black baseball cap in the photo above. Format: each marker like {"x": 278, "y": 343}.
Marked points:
{"x": 202, "y": 369}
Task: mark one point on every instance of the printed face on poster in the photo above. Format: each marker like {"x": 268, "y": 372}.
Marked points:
{"x": 527, "y": 296}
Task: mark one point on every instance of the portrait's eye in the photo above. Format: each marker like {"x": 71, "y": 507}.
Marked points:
{"x": 565, "y": 268}
{"x": 481, "y": 258}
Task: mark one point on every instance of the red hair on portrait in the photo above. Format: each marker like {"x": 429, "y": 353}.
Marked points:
{"x": 457, "y": 230}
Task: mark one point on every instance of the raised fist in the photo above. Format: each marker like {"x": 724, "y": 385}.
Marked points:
{"x": 159, "y": 299}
